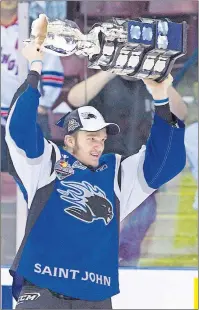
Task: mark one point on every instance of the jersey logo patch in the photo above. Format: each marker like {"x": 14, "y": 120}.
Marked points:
{"x": 102, "y": 168}
{"x": 88, "y": 203}
{"x": 63, "y": 169}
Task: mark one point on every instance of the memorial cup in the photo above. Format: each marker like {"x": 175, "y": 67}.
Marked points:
{"x": 141, "y": 48}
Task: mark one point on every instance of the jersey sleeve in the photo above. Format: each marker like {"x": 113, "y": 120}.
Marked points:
{"x": 30, "y": 153}
{"x": 159, "y": 161}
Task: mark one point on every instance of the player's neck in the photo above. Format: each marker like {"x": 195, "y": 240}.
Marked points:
{"x": 8, "y": 20}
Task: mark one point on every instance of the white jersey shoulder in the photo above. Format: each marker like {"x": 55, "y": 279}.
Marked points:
{"x": 133, "y": 188}
{"x": 9, "y": 64}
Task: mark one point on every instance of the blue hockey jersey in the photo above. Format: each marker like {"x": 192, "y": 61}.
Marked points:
{"x": 71, "y": 239}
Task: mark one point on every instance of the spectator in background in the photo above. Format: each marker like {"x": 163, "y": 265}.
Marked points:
{"x": 52, "y": 75}
{"x": 126, "y": 101}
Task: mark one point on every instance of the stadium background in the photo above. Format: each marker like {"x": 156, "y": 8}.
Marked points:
{"x": 171, "y": 242}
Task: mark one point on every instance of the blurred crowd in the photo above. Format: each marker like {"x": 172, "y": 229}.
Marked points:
{"x": 67, "y": 83}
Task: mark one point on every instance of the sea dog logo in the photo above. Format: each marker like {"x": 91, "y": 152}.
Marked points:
{"x": 88, "y": 203}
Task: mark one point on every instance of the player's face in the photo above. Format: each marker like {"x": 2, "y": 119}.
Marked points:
{"x": 89, "y": 146}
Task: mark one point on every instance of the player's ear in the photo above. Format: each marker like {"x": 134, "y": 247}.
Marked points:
{"x": 69, "y": 141}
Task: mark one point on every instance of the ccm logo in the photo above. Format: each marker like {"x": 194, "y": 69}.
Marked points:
{"x": 28, "y": 296}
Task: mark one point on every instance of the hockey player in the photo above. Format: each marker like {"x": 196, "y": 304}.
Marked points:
{"x": 68, "y": 258}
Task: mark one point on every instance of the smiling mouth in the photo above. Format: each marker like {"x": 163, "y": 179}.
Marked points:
{"x": 95, "y": 155}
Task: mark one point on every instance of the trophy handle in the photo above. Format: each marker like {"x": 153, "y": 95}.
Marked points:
{"x": 39, "y": 29}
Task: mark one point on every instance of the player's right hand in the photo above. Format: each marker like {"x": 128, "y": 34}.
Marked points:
{"x": 159, "y": 90}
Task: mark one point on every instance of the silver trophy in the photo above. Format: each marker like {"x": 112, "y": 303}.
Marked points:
{"x": 139, "y": 48}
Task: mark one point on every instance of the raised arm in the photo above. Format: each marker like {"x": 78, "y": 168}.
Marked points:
{"x": 21, "y": 126}
{"x": 30, "y": 153}
{"x": 160, "y": 160}
{"x": 177, "y": 105}
{"x": 165, "y": 150}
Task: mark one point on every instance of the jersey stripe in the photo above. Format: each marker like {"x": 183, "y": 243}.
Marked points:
{"x": 55, "y": 84}
{"x": 52, "y": 73}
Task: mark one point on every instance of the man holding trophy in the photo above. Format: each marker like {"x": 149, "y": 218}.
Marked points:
{"x": 68, "y": 258}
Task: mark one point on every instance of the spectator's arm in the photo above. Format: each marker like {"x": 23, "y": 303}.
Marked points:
{"x": 52, "y": 80}
{"x": 83, "y": 92}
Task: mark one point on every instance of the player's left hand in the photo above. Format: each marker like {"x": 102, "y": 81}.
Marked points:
{"x": 159, "y": 90}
